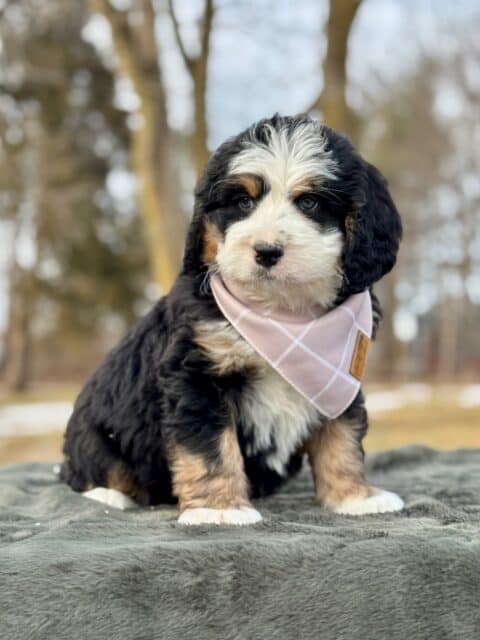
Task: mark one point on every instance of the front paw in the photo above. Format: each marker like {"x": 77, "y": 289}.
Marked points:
{"x": 234, "y": 516}
{"x": 380, "y": 502}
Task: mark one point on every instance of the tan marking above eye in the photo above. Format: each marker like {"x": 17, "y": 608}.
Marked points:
{"x": 302, "y": 187}
{"x": 251, "y": 183}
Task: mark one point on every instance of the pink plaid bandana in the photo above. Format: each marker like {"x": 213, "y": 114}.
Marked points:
{"x": 321, "y": 354}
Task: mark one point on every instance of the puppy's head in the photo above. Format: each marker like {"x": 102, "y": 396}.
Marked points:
{"x": 293, "y": 215}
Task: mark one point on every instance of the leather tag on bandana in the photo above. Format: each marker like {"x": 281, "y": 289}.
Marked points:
{"x": 359, "y": 358}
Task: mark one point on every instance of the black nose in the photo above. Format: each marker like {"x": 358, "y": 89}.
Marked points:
{"x": 267, "y": 254}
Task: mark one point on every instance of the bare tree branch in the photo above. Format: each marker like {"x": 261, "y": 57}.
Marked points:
{"x": 188, "y": 60}
{"x": 206, "y": 30}
{"x": 198, "y": 70}
{"x": 199, "y": 77}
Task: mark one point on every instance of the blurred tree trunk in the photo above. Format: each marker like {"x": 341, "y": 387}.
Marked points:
{"x": 448, "y": 339}
{"x": 390, "y": 348}
{"x": 332, "y": 102}
{"x": 15, "y": 367}
{"x": 198, "y": 71}
{"x": 152, "y": 150}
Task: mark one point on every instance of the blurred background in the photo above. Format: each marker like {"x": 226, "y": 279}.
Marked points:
{"x": 108, "y": 112}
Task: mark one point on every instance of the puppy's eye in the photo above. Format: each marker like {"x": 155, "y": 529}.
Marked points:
{"x": 245, "y": 203}
{"x": 307, "y": 203}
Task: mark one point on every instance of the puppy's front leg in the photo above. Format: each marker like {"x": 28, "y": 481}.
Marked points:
{"x": 336, "y": 456}
{"x": 212, "y": 490}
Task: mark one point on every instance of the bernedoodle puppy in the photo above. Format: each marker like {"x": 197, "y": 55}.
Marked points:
{"x": 256, "y": 355}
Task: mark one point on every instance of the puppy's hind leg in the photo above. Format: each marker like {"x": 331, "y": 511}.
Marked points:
{"x": 120, "y": 491}
{"x": 212, "y": 492}
{"x": 110, "y": 497}
{"x": 93, "y": 468}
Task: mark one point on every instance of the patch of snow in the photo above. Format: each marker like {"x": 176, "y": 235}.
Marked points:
{"x": 416, "y": 393}
{"x": 34, "y": 418}
{"x": 380, "y": 401}
{"x": 469, "y": 396}
{"x": 407, "y": 394}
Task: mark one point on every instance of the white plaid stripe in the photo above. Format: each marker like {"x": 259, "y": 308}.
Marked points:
{"x": 310, "y": 352}
{"x": 241, "y": 315}
{"x": 296, "y": 341}
{"x": 355, "y": 320}
{"x": 332, "y": 379}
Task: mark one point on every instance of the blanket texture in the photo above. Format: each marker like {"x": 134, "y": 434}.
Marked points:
{"x": 72, "y": 569}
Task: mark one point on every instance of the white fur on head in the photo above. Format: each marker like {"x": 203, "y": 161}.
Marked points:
{"x": 289, "y": 157}
{"x": 309, "y": 271}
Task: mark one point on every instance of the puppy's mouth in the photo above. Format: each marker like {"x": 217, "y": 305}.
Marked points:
{"x": 278, "y": 290}
{"x": 278, "y": 275}
{"x": 264, "y": 274}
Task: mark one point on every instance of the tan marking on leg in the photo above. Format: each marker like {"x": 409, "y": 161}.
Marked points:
{"x": 121, "y": 478}
{"x": 232, "y": 464}
{"x": 212, "y": 237}
{"x": 221, "y": 485}
{"x": 337, "y": 464}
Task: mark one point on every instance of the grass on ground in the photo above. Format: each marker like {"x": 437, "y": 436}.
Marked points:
{"x": 442, "y": 427}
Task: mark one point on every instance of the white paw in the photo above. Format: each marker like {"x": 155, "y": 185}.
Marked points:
{"x": 110, "y": 497}
{"x": 381, "y": 502}
{"x": 203, "y": 515}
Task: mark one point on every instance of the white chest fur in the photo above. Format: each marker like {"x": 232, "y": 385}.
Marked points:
{"x": 276, "y": 418}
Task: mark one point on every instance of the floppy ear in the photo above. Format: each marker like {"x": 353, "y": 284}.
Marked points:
{"x": 194, "y": 243}
{"x": 192, "y": 261}
{"x": 373, "y": 232}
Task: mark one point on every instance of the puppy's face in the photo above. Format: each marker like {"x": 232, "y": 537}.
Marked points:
{"x": 279, "y": 211}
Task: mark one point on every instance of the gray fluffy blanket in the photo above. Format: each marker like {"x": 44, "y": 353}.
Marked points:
{"x": 72, "y": 569}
